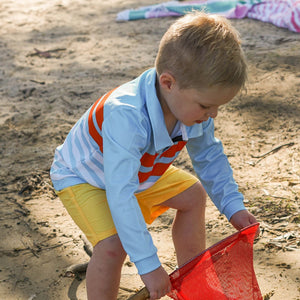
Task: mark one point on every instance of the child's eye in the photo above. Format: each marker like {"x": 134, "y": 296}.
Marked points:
{"x": 203, "y": 106}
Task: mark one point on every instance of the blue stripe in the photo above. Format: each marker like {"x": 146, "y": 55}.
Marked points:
{"x": 166, "y": 160}
{"x": 97, "y": 163}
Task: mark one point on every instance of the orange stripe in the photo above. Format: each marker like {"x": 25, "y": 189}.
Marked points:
{"x": 100, "y": 110}
{"x": 143, "y": 176}
{"x": 158, "y": 169}
{"x": 99, "y": 119}
{"x": 147, "y": 159}
{"x": 92, "y": 129}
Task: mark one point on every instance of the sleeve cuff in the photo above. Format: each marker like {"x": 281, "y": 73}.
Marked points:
{"x": 230, "y": 210}
{"x": 148, "y": 264}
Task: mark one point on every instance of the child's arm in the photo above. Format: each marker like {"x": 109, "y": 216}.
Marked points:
{"x": 213, "y": 169}
{"x": 123, "y": 141}
{"x": 124, "y": 137}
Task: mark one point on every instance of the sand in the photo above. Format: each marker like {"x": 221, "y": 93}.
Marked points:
{"x": 57, "y": 58}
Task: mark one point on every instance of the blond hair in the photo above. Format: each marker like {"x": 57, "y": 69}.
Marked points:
{"x": 202, "y": 50}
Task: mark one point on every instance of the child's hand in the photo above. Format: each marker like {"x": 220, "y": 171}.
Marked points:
{"x": 157, "y": 283}
{"x": 243, "y": 219}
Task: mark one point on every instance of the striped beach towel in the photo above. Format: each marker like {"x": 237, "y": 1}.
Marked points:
{"x": 282, "y": 13}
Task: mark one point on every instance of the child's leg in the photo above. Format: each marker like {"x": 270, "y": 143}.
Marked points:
{"x": 189, "y": 224}
{"x": 89, "y": 209}
{"x": 104, "y": 269}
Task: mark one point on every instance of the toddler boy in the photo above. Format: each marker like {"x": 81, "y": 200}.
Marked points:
{"x": 114, "y": 171}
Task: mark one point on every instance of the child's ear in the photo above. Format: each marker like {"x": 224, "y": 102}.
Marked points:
{"x": 166, "y": 81}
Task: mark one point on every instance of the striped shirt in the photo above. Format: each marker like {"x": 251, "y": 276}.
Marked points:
{"x": 124, "y": 133}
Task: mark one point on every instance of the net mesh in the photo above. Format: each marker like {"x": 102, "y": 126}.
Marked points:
{"x": 223, "y": 271}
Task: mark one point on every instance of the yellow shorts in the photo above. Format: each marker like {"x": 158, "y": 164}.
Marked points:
{"x": 88, "y": 207}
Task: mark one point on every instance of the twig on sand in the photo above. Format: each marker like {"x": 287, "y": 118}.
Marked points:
{"x": 87, "y": 246}
{"x": 34, "y": 248}
{"x": 74, "y": 270}
{"x": 47, "y": 53}
{"x": 36, "y": 81}
{"x": 142, "y": 294}
{"x": 261, "y": 157}
{"x": 77, "y": 269}
{"x": 127, "y": 289}
{"x": 269, "y": 295}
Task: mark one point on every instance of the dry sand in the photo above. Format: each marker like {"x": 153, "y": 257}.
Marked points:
{"x": 58, "y": 57}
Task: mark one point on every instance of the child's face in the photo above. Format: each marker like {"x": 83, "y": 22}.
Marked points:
{"x": 191, "y": 106}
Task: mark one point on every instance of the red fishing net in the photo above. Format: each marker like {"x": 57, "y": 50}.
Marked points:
{"x": 223, "y": 271}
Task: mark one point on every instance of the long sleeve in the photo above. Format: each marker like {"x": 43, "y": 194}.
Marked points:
{"x": 124, "y": 137}
{"x": 213, "y": 169}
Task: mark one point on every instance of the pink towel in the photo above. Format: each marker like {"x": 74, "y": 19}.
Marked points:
{"x": 282, "y": 13}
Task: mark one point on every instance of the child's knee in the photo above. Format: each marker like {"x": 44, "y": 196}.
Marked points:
{"x": 196, "y": 198}
{"x": 110, "y": 250}
{"x": 199, "y": 194}
{"x": 201, "y": 191}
